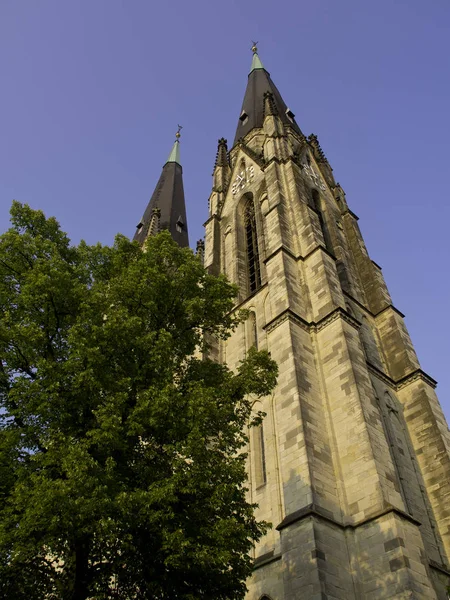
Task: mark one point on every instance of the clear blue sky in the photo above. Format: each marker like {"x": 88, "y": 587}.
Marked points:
{"x": 92, "y": 91}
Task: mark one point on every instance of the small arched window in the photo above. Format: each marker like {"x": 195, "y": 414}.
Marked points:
{"x": 251, "y": 239}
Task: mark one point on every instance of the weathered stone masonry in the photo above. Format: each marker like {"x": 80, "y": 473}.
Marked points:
{"x": 356, "y": 450}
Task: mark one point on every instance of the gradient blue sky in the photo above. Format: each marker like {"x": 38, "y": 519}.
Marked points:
{"x": 92, "y": 91}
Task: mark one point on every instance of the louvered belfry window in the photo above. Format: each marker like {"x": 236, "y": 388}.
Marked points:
{"x": 254, "y": 271}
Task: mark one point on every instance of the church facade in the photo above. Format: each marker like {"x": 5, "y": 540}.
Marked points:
{"x": 352, "y": 462}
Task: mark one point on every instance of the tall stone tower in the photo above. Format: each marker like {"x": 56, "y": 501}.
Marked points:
{"x": 352, "y": 462}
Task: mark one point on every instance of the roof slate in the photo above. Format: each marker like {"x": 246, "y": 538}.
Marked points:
{"x": 259, "y": 82}
{"x": 168, "y": 197}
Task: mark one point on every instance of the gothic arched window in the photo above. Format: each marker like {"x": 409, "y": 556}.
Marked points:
{"x": 251, "y": 238}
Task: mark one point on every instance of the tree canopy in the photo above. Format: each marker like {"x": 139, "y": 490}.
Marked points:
{"x": 122, "y": 445}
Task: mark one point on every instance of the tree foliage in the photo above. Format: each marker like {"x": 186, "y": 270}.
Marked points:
{"x": 122, "y": 463}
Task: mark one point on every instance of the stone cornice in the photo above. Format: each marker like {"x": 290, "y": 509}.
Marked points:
{"x": 353, "y": 299}
{"x": 442, "y": 568}
{"x": 276, "y": 160}
{"x": 316, "y": 511}
{"x": 286, "y": 315}
{"x": 265, "y": 559}
{"x": 376, "y": 265}
{"x": 381, "y": 375}
{"x": 289, "y": 314}
{"x": 337, "y": 313}
{"x": 283, "y": 248}
{"x": 340, "y": 313}
{"x": 414, "y": 376}
{"x": 211, "y": 218}
{"x": 367, "y": 310}
{"x": 249, "y": 297}
{"x": 351, "y": 213}
{"x": 392, "y": 307}
{"x": 314, "y": 250}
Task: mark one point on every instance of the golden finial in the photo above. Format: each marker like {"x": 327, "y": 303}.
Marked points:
{"x": 254, "y": 47}
{"x": 178, "y": 134}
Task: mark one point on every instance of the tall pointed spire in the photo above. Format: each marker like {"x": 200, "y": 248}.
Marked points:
{"x": 166, "y": 208}
{"x": 252, "y": 112}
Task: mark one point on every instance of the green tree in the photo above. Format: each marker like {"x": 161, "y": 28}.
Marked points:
{"x": 122, "y": 464}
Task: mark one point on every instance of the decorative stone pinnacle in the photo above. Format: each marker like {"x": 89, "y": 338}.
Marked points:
{"x": 222, "y": 154}
{"x": 269, "y": 104}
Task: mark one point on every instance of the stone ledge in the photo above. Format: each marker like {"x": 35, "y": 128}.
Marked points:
{"x": 442, "y": 568}
{"x": 282, "y": 248}
{"x": 337, "y": 313}
{"x": 276, "y": 160}
{"x": 392, "y": 307}
{"x": 249, "y": 297}
{"x": 360, "y": 304}
{"x": 316, "y": 511}
{"x": 211, "y": 218}
{"x": 314, "y": 250}
{"x": 265, "y": 559}
{"x": 289, "y": 314}
{"x": 381, "y": 375}
{"x": 376, "y": 265}
{"x": 351, "y": 213}
{"x": 417, "y": 374}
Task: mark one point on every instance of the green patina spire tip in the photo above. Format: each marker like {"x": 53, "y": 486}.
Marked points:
{"x": 256, "y": 61}
{"x": 174, "y": 155}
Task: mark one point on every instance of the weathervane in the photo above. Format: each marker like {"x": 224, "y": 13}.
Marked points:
{"x": 254, "y": 47}
{"x": 178, "y": 134}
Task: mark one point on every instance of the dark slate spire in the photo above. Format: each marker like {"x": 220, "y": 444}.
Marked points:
{"x": 252, "y": 112}
{"x": 166, "y": 209}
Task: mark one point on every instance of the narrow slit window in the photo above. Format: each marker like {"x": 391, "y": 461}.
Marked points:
{"x": 260, "y": 457}
{"x": 322, "y": 223}
{"x": 252, "y": 332}
{"x": 254, "y": 271}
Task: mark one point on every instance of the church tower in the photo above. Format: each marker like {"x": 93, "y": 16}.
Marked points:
{"x": 166, "y": 208}
{"x": 352, "y": 462}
